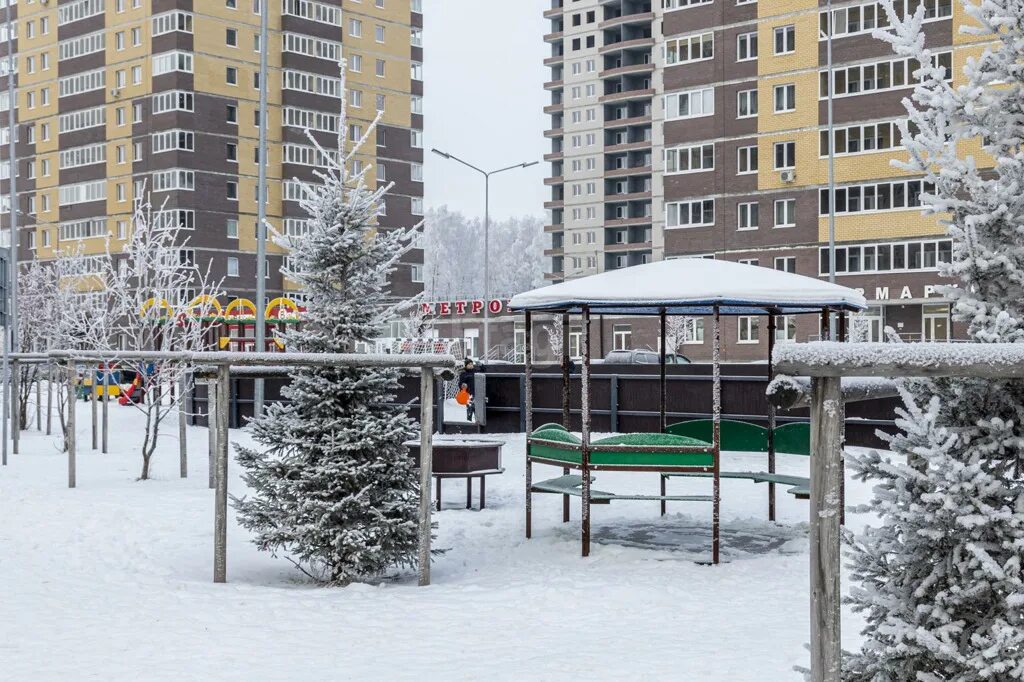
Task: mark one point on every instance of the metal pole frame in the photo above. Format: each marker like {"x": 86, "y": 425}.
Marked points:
{"x": 261, "y": 210}
{"x": 12, "y": 314}
{"x": 771, "y": 415}
{"x": 94, "y": 408}
{"x": 662, "y": 317}
{"x": 566, "y": 405}
{"x": 6, "y": 392}
{"x": 16, "y": 401}
{"x": 182, "y": 427}
{"x": 426, "y": 470}
{"x": 69, "y": 434}
{"x": 585, "y": 431}
{"x": 528, "y": 378}
{"x": 487, "y": 265}
{"x": 716, "y": 439}
{"x": 106, "y": 410}
{"x": 220, "y": 504}
{"x": 211, "y": 425}
{"x": 831, "y": 151}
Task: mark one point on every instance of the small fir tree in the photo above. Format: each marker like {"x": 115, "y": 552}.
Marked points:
{"x": 940, "y": 580}
{"x": 333, "y": 484}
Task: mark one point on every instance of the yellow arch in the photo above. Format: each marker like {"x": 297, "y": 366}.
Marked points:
{"x": 282, "y": 303}
{"x": 160, "y": 303}
{"x": 240, "y": 303}
{"x": 205, "y": 301}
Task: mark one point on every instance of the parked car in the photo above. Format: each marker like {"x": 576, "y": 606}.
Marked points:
{"x": 643, "y": 357}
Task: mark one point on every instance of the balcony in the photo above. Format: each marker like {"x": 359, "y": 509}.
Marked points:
{"x": 627, "y": 146}
{"x": 553, "y": 13}
{"x": 560, "y": 180}
{"x": 554, "y": 85}
{"x": 557, "y": 227}
{"x": 557, "y": 203}
{"x": 624, "y": 122}
{"x": 556, "y": 108}
{"x": 624, "y": 248}
{"x": 628, "y": 69}
{"x": 554, "y": 132}
{"x": 635, "y": 196}
{"x": 621, "y": 172}
{"x": 628, "y": 20}
{"x": 627, "y": 45}
{"x": 553, "y": 37}
{"x": 626, "y": 96}
{"x": 554, "y": 156}
{"x": 555, "y": 59}
{"x": 626, "y": 222}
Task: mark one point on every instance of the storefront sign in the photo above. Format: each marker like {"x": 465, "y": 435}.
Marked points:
{"x": 470, "y": 307}
{"x": 900, "y": 293}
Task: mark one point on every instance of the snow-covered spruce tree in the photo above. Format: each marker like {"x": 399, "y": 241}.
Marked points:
{"x": 333, "y": 485}
{"x": 940, "y": 580}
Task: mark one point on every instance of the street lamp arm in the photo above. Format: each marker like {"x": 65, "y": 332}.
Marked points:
{"x": 526, "y": 164}
{"x": 455, "y": 158}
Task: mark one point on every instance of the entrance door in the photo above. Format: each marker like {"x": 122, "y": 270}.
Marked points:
{"x": 868, "y": 325}
{"x": 471, "y": 338}
{"x": 936, "y": 322}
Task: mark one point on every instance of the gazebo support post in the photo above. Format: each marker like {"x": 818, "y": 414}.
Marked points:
{"x": 826, "y": 477}
{"x": 663, "y": 392}
{"x": 585, "y": 429}
{"x": 716, "y": 436}
{"x": 528, "y": 372}
{"x": 771, "y": 417}
{"x": 426, "y": 470}
{"x": 220, "y": 509}
{"x": 69, "y": 434}
{"x": 825, "y": 333}
{"x": 566, "y": 413}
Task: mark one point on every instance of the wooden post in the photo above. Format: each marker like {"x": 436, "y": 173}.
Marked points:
{"x": 825, "y": 503}
{"x": 528, "y": 390}
{"x": 39, "y": 398}
{"x": 106, "y": 408}
{"x": 663, "y": 393}
{"x": 220, "y": 511}
{"x": 69, "y": 435}
{"x": 771, "y": 416}
{"x": 426, "y": 469}
{"x": 15, "y": 404}
{"x": 95, "y": 412}
{"x": 716, "y": 431}
{"x": 49, "y": 400}
{"x": 211, "y": 425}
{"x": 182, "y": 426}
{"x": 585, "y": 430}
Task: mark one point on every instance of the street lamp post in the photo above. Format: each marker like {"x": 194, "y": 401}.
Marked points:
{"x": 487, "y": 237}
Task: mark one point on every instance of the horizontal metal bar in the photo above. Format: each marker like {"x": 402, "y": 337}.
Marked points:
{"x": 642, "y": 377}
{"x": 263, "y": 359}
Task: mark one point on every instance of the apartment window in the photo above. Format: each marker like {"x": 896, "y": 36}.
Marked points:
{"x": 882, "y": 196}
{"x": 685, "y": 214}
{"x": 746, "y": 103}
{"x": 747, "y": 215}
{"x": 888, "y": 257}
{"x": 785, "y": 328}
{"x": 170, "y": 22}
{"x": 355, "y": 63}
{"x": 749, "y": 261}
{"x": 687, "y": 49}
{"x": 785, "y": 39}
{"x": 231, "y": 37}
{"x": 746, "y": 46}
{"x": 232, "y": 268}
{"x": 355, "y": 28}
{"x": 231, "y": 75}
{"x": 136, "y": 37}
{"x": 681, "y": 4}
{"x": 785, "y": 213}
{"x": 786, "y": 263}
{"x": 785, "y": 155}
{"x": 746, "y": 161}
{"x": 862, "y": 139}
{"x": 690, "y": 104}
{"x": 231, "y": 228}
{"x": 748, "y": 329}
{"x": 232, "y": 152}
{"x": 174, "y": 100}
{"x": 378, "y": 33}
{"x": 231, "y": 189}
{"x": 884, "y": 75}
{"x": 785, "y": 97}
{"x": 622, "y": 336}
{"x": 176, "y": 60}
{"x": 231, "y": 114}
{"x": 692, "y": 159}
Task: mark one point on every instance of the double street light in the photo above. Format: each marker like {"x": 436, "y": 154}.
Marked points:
{"x": 487, "y": 229}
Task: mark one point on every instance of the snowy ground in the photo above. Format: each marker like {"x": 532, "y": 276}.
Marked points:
{"x": 112, "y": 581}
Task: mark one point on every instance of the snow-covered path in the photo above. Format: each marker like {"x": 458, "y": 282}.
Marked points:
{"x": 112, "y": 581}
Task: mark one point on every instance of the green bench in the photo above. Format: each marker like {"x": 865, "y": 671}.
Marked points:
{"x": 571, "y": 484}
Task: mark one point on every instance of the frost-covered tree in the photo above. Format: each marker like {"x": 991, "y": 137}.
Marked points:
{"x": 156, "y": 297}
{"x": 940, "y": 580}
{"x": 333, "y": 484}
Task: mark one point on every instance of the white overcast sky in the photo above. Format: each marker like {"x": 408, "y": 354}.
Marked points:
{"x": 483, "y": 102}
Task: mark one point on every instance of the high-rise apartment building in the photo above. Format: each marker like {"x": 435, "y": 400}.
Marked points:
{"x": 120, "y": 97}
{"x": 699, "y": 128}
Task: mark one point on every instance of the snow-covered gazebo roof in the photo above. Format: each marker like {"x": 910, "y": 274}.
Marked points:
{"x": 692, "y": 286}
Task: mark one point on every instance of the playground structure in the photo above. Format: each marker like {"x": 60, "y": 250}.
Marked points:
{"x": 691, "y": 287}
